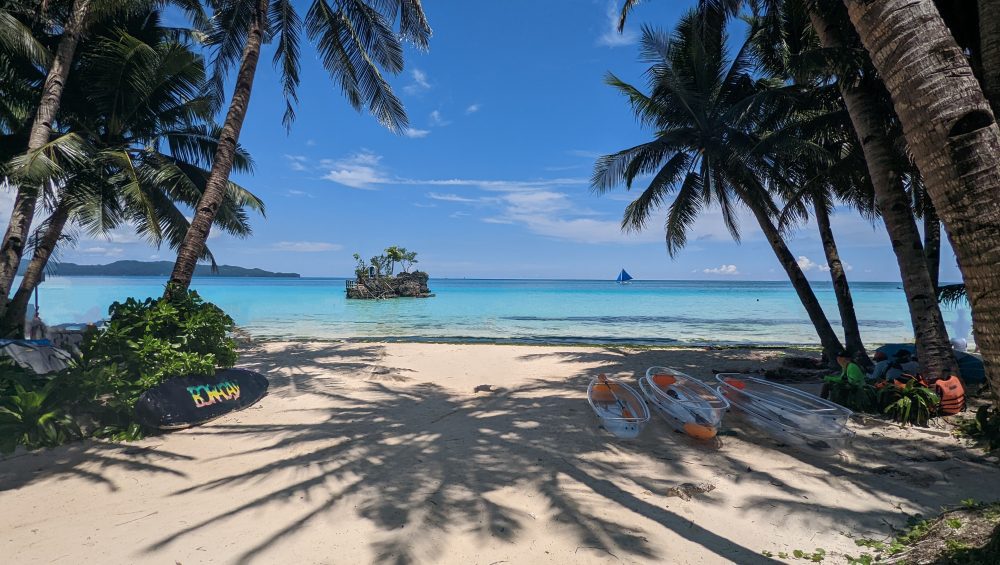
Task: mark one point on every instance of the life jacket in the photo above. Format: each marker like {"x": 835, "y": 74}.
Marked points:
{"x": 952, "y": 395}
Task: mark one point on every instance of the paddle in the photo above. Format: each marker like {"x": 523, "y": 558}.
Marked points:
{"x": 626, "y": 413}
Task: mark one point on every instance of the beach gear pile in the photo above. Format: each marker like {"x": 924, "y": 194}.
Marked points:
{"x": 787, "y": 415}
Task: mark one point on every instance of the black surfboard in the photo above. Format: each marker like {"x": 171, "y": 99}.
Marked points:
{"x": 182, "y": 402}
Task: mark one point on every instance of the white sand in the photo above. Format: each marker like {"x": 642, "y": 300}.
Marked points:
{"x": 367, "y": 453}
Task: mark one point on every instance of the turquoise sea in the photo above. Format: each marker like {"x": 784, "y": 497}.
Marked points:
{"x": 568, "y": 311}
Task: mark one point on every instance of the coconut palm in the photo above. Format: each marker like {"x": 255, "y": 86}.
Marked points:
{"x": 787, "y": 49}
{"x": 706, "y": 112}
{"x": 137, "y": 89}
{"x": 74, "y": 18}
{"x": 954, "y": 139}
{"x": 356, "y": 43}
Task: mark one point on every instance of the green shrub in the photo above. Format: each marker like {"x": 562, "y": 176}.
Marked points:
{"x": 156, "y": 339}
{"x": 859, "y": 398}
{"x": 142, "y": 344}
{"x": 36, "y": 417}
{"x": 911, "y": 404}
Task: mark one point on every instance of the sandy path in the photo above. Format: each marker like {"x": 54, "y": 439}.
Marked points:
{"x": 367, "y": 453}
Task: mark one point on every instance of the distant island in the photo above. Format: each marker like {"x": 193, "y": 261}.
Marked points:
{"x": 153, "y": 269}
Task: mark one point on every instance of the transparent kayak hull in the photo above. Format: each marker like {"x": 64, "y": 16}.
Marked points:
{"x": 618, "y": 406}
{"x": 827, "y": 440}
{"x": 684, "y": 402}
{"x": 789, "y": 406}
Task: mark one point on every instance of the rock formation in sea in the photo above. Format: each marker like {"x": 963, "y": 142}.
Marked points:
{"x": 412, "y": 285}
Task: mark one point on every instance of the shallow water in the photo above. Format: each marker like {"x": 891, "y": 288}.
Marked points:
{"x": 644, "y": 312}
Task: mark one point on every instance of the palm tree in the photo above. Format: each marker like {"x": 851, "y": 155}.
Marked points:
{"x": 821, "y": 163}
{"x": 954, "y": 139}
{"x": 356, "y": 43}
{"x": 889, "y": 170}
{"x": 74, "y": 18}
{"x": 136, "y": 89}
{"x": 706, "y": 112}
{"x": 989, "y": 49}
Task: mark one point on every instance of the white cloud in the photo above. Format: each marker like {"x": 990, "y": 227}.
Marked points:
{"x": 297, "y": 162}
{"x": 458, "y": 214}
{"x": 585, "y": 153}
{"x": 310, "y": 143}
{"x": 416, "y": 133}
{"x": 360, "y": 170}
{"x": 437, "y": 119}
{"x": 101, "y": 250}
{"x": 611, "y": 37}
{"x": 473, "y": 108}
{"x": 728, "y": 270}
{"x": 294, "y": 192}
{"x": 420, "y": 82}
{"x": 807, "y": 264}
{"x": 306, "y": 246}
{"x": 553, "y": 214}
{"x": 450, "y": 197}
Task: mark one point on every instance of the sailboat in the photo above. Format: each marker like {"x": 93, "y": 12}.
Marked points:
{"x": 623, "y": 277}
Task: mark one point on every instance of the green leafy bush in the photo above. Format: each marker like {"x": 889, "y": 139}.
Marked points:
{"x": 155, "y": 339}
{"x": 36, "y": 417}
{"x": 910, "y": 404}
{"x": 859, "y": 398}
{"x": 143, "y": 343}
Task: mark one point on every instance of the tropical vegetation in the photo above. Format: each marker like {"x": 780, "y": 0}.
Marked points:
{"x": 828, "y": 102}
{"x": 786, "y": 109}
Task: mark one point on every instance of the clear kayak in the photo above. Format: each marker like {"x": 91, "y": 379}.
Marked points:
{"x": 788, "y": 405}
{"x": 618, "y": 406}
{"x": 684, "y": 402}
{"x": 784, "y": 415}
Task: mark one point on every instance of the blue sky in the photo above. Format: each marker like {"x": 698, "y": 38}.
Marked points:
{"x": 508, "y": 111}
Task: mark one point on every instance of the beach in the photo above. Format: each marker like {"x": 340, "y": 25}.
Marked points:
{"x": 468, "y": 453}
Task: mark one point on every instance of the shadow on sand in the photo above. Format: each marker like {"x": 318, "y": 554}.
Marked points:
{"x": 422, "y": 458}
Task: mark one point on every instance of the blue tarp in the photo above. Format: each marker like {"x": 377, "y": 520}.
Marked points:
{"x": 970, "y": 367}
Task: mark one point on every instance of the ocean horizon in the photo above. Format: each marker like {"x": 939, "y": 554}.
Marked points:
{"x": 567, "y": 311}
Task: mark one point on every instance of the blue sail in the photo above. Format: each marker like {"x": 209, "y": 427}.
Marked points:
{"x": 623, "y": 276}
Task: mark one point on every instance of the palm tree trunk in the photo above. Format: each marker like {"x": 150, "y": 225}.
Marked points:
{"x": 827, "y": 337}
{"x": 954, "y": 139}
{"x": 21, "y": 216}
{"x": 989, "y": 50}
{"x": 930, "y": 334}
{"x": 18, "y": 308}
{"x": 845, "y": 302}
{"x": 215, "y": 188}
{"x": 932, "y": 243}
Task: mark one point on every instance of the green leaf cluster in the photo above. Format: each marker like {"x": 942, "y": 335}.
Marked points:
{"x": 143, "y": 343}
{"x": 911, "y": 404}
{"x": 155, "y": 339}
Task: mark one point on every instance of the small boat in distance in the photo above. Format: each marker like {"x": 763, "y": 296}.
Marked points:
{"x": 623, "y": 277}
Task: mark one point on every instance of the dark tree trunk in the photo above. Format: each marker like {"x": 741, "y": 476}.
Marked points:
{"x": 18, "y": 308}
{"x": 19, "y": 227}
{"x": 954, "y": 139}
{"x": 932, "y": 243}
{"x": 841, "y": 288}
{"x": 218, "y": 180}
{"x": 827, "y": 337}
{"x": 930, "y": 334}
{"x": 989, "y": 50}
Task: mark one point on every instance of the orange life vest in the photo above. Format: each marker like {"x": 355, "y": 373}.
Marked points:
{"x": 952, "y": 395}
